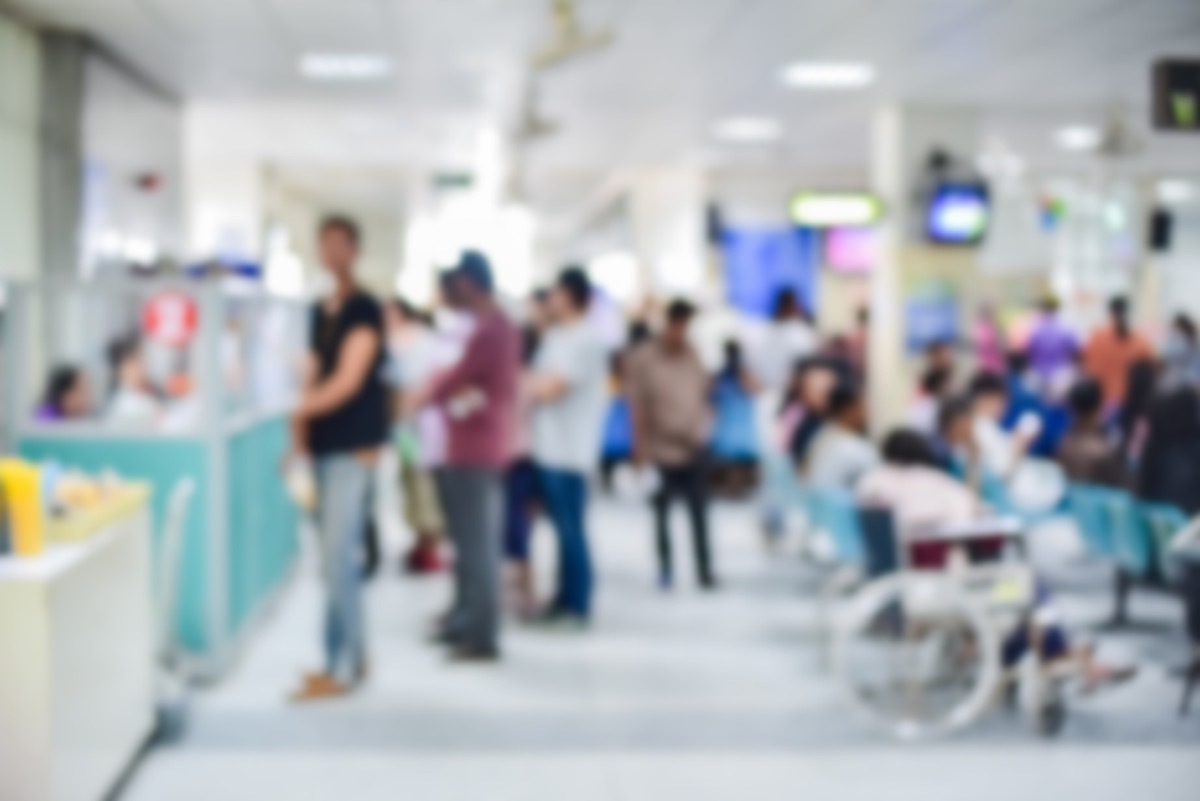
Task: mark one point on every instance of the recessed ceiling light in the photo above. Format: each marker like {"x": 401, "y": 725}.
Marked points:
{"x": 828, "y": 75}
{"x": 1078, "y": 137}
{"x": 1172, "y": 191}
{"x": 345, "y": 66}
{"x": 748, "y": 129}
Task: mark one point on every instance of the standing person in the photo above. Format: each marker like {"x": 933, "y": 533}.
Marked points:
{"x": 788, "y": 339}
{"x": 521, "y": 494}
{"x": 1170, "y": 468}
{"x": 735, "y": 441}
{"x": 1132, "y": 418}
{"x": 1182, "y": 353}
{"x": 668, "y": 393}
{"x": 1052, "y": 348}
{"x": 989, "y": 341}
{"x": 569, "y": 390}
{"x": 479, "y": 396}
{"x": 859, "y": 342}
{"x": 1112, "y": 350}
{"x": 342, "y": 421}
{"x": 415, "y": 354}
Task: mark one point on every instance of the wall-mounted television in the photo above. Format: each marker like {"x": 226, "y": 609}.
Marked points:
{"x": 958, "y": 214}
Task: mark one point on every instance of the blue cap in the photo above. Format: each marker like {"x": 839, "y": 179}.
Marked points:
{"x": 475, "y": 267}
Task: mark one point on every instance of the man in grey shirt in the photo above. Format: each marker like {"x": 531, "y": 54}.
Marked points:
{"x": 569, "y": 389}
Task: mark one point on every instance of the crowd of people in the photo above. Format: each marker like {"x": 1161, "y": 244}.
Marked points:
{"x": 500, "y": 418}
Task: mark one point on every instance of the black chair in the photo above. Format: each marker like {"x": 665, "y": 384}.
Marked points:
{"x": 1190, "y": 584}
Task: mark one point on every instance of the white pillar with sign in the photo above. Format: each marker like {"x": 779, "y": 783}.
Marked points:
{"x": 903, "y": 138}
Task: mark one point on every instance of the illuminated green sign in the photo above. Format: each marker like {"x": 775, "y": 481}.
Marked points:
{"x": 1177, "y": 95}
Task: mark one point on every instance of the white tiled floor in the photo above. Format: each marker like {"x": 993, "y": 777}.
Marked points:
{"x": 681, "y": 696}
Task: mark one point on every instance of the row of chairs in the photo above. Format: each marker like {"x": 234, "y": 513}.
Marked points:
{"x": 1133, "y": 535}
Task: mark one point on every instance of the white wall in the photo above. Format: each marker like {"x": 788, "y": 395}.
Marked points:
{"x": 1180, "y": 266}
{"x": 130, "y": 131}
{"x": 19, "y": 197}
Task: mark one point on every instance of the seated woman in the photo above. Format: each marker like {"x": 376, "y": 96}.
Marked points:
{"x": 841, "y": 454}
{"x": 924, "y": 498}
{"x": 133, "y": 399}
{"x": 1087, "y": 452}
{"x": 68, "y": 396}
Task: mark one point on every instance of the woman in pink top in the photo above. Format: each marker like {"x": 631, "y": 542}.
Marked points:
{"x": 989, "y": 341}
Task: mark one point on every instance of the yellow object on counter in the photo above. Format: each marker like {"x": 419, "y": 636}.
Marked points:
{"x": 22, "y": 483}
{"x": 82, "y": 523}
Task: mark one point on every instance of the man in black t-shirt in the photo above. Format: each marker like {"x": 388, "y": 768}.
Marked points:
{"x": 342, "y": 423}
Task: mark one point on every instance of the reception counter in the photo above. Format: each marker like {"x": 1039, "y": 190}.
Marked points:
{"x": 232, "y": 361}
{"x": 77, "y": 664}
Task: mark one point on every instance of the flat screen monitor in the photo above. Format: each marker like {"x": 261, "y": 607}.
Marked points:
{"x": 850, "y": 249}
{"x": 958, "y": 214}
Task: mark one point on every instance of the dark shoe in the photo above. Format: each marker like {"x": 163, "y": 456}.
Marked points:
{"x": 710, "y": 584}
{"x": 562, "y": 621}
{"x": 665, "y": 581}
{"x": 462, "y": 655}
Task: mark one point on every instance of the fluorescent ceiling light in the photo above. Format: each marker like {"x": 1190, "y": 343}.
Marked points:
{"x": 345, "y": 66}
{"x": 1172, "y": 191}
{"x": 1078, "y": 137}
{"x": 828, "y": 75}
{"x": 832, "y": 209}
{"x": 748, "y": 129}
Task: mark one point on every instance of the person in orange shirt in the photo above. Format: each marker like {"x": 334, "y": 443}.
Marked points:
{"x": 1112, "y": 350}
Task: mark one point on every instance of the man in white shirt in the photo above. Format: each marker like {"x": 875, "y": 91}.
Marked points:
{"x": 1000, "y": 452}
{"x": 570, "y": 393}
{"x": 773, "y": 354}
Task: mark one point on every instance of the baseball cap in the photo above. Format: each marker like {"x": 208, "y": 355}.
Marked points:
{"x": 475, "y": 267}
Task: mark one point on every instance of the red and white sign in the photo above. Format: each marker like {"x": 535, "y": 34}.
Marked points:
{"x": 170, "y": 317}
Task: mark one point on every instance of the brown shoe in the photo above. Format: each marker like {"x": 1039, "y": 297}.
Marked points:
{"x": 320, "y": 687}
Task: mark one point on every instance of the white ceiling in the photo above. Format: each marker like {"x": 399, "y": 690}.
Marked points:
{"x": 677, "y": 65}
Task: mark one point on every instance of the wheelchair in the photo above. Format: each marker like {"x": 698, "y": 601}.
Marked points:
{"x": 921, "y": 651}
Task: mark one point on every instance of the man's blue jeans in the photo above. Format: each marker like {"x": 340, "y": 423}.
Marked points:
{"x": 344, "y": 498}
{"x": 564, "y": 495}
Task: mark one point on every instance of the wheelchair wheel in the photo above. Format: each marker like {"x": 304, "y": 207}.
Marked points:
{"x": 917, "y": 654}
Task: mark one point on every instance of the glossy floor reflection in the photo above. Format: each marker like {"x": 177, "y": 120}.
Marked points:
{"x": 683, "y": 695}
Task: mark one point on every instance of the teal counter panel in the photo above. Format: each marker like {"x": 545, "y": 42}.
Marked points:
{"x": 162, "y": 463}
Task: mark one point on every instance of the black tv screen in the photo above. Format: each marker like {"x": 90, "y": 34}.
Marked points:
{"x": 958, "y": 214}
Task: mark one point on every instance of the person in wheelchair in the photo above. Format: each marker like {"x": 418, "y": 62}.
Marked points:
{"x": 922, "y": 497}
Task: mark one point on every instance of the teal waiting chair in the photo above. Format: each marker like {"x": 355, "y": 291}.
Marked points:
{"x": 1088, "y": 506}
{"x": 1163, "y": 522}
{"x": 834, "y": 511}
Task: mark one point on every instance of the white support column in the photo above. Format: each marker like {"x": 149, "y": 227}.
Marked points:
{"x": 20, "y": 146}
{"x": 668, "y": 211}
{"x": 903, "y": 138}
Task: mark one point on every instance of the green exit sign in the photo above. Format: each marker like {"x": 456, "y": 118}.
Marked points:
{"x": 1177, "y": 95}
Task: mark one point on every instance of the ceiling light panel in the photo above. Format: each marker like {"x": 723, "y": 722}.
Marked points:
{"x": 828, "y": 75}
{"x": 345, "y": 66}
{"x": 748, "y": 129}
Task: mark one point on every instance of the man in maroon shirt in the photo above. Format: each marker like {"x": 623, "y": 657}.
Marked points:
{"x": 479, "y": 397}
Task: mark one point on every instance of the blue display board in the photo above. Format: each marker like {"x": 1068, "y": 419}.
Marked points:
{"x": 760, "y": 261}
{"x": 930, "y": 314}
